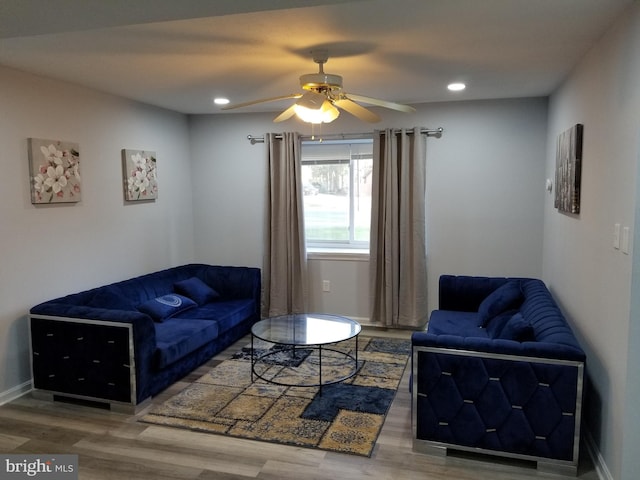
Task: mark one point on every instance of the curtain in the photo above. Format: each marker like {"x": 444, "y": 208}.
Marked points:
{"x": 398, "y": 257}
{"x": 284, "y": 266}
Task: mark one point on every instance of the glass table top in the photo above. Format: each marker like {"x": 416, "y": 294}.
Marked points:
{"x": 306, "y": 329}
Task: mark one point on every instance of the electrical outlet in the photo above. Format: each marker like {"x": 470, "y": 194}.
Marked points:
{"x": 326, "y": 286}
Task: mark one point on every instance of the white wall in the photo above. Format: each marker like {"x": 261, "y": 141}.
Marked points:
{"x": 349, "y": 286}
{"x": 228, "y": 187}
{"x": 590, "y": 279}
{"x": 485, "y": 193}
{"x": 47, "y": 251}
{"x": 631, "y": 434}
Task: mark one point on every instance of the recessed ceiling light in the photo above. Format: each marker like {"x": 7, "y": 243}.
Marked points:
{"x": 456, "y": 87}
{"x": 221, "y": 101}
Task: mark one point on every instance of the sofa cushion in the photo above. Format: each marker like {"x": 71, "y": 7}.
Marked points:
{"x": 517, "y": 328}
{"x": 178, "y": 337}
{"x": 166, "y": 306}
{"x": 227, "y": 313}
{"x": 196, "y": 290}
{"x": 496, "y": 324}
{"x": 451, "y": 322}
{"x": 503, "y": 298}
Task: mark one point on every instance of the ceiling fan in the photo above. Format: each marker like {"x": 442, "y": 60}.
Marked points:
{"x": 322, "y": 98}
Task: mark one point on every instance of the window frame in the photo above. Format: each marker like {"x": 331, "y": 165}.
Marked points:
{"x": 350, "y": 247}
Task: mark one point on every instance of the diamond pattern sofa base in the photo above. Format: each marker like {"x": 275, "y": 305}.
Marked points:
{"x": 518, "y": 407}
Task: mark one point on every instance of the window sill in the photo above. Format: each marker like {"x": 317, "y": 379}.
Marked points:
{"x": 338, "y": 254}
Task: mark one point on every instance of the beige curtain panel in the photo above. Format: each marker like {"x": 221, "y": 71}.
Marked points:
{"x": 284, "y": 272}
{"x": 398, "y": 265}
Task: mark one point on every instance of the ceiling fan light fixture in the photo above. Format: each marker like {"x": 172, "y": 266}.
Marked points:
{"x": 312, "y": 100}
{"x": 327, "y": 113}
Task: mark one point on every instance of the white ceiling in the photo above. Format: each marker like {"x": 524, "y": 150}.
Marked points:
{"x": 181, "y": 54}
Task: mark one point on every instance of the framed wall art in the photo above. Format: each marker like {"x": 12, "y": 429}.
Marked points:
{"x": 568, "y": 170}
{"x": 54, "y": 168}
{"x": 139, "y": 175}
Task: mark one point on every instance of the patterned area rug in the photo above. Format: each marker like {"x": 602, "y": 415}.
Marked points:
{"x": 346, "y": 417}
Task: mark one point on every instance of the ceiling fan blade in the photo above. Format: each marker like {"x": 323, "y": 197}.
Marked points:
{"x": 287, "y": 114}
{"x": 264, "y": 100}
{"x": 382, "y": 103}
{"x": 356, "y": 110}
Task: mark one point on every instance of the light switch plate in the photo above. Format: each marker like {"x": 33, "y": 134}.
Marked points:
{"x": 625, "y": 240}
{"x": 616, "y": 236}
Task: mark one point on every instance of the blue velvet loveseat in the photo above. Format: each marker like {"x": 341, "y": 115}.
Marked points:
{"x": 122, "y": 343}
{"x": 498, "y": 371}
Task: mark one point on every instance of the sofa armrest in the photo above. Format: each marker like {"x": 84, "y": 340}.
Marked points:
{"x": 83, "y": 358}
{"x": 465, "y": 293}
{"x": 60, "y": 309}
{"x": 496, "y": 403}
{"x": 91, "y": 323}
{"x": 535, "y": 349}
{"x": 142, "y": 323}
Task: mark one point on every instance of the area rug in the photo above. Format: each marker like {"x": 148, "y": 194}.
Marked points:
{"x": 344, "y": 417}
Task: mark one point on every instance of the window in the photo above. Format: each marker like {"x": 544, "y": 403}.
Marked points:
{"x": 336, "y": 176}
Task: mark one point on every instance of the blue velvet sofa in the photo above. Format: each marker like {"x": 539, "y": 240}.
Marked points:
{"x": 123, "y": 343}
{"x": 498, "y": 371}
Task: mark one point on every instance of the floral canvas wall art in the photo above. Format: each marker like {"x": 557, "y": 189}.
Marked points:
{"x": 140, "y": 175}
{"x": 55, "y": 171}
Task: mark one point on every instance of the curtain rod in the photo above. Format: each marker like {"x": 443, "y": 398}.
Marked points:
{"x": 430, "y": 132}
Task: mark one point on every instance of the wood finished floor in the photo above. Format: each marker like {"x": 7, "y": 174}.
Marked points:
{"x": 116, "y": 446}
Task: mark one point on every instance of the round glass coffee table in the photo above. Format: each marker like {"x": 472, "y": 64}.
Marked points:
{"x": 307, "y": 331}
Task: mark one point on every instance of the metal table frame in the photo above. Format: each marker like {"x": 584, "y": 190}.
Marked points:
{"x": 295, "y": 342}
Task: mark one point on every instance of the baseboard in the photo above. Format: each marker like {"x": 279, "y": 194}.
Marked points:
{"x": 15, "y": 392}
{"x": 365, "y": 322}
{"x": 596, "y": 457}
